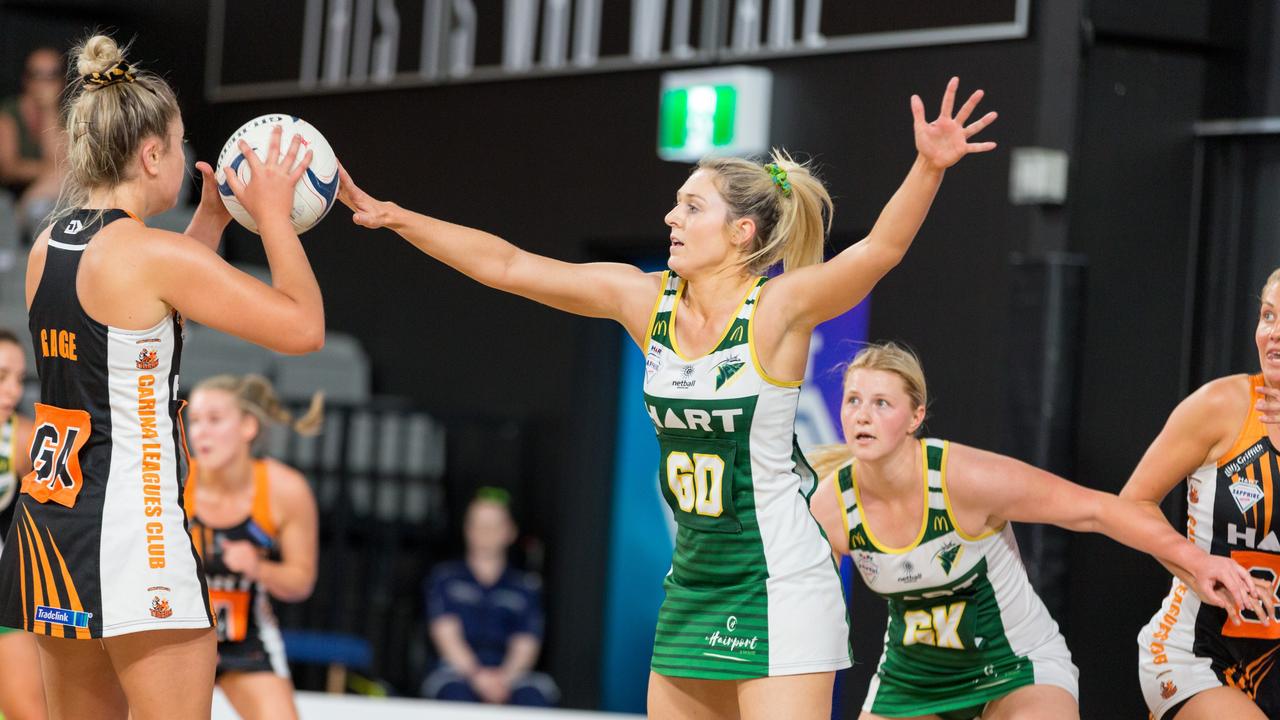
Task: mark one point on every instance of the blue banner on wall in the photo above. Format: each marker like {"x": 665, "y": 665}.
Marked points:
{"x": 641, "y": 526}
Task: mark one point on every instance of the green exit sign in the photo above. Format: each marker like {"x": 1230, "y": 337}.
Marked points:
{"x": 719, "y": 111}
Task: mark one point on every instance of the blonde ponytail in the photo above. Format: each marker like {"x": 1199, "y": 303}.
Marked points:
{"x": 257, "y": 396}
{"x": 790, "y": 206}
{"x": 826, "y": 459}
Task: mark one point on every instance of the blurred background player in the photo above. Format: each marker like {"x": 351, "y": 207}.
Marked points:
{"x": 21, "y": 690}
{"x": 253, "y": 521}
{"x": 486, "y": 616}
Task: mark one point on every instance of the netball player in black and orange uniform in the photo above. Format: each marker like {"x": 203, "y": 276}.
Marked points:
{"x": 21, "y": 696}
{"x": 98, "y": 549}
{"x": 254, "y": 523}
{"x": 1192, "y": 662}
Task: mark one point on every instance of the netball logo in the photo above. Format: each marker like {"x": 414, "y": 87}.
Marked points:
{"x": 686, "y": 379}
{"x": 909, "y": 574}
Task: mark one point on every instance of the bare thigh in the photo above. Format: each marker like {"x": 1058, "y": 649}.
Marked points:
{"x": 673, "y": 698}
{"x": 21, "y": 687}
{"x": 802, "y": 697}
{"x": 259, "y": 695}
{"x": 1038, "y": 702}
{"x": 1219, "y": 703}
{"x": 166, "y": 674}
{"x": 79, "y": 681}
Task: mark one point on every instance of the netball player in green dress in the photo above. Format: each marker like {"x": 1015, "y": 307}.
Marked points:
{"x": 753, "y": 624}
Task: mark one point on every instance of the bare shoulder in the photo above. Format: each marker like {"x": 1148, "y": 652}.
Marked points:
{"x": 1225, "y": 395}
{"x": 970, "y": 469}
{"x": 639, "y": 297}
{"x": 135, "y": 240}
{"x": 286, "y": 482}
{"x": 1214, "y": 412}
{"x": 290, "y": 493}
{"x": 645, "y": 285}
{"x": 778, "y": 287}
{"x": 648, "y": 283}
{"x": 129, "y": 253}
{"x": 964, "y": 463}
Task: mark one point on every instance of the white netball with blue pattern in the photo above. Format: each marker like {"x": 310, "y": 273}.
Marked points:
{"x": 316, "y": 190}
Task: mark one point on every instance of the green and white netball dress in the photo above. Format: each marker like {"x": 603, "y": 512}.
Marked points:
{"x": 965, "y": 625}
{"x": 752, "y": 591}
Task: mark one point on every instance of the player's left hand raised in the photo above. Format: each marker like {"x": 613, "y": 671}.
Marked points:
{"x": 943, "y": 142}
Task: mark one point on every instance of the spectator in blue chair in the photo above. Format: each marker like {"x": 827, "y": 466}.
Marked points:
{"x": 32, "y": 138}
{"x": 486, "y": 616}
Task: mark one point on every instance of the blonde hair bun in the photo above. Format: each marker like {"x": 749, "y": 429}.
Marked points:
{"x": 98, "y": 54}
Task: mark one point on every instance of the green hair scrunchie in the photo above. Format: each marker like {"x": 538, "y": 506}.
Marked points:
{"x": 779, "y": 178}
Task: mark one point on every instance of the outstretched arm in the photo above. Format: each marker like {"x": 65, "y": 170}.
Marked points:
{"x": 820, "y": 292}
{"x": 605, "y": 290}
{"x": 1008, "y": 489}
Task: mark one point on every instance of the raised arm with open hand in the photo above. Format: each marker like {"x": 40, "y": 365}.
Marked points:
{"x": 820, "y": 292}
{"x": 945, "y": 141}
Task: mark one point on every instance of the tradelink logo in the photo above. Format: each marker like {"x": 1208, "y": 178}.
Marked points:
{"x": 59, "y": 616}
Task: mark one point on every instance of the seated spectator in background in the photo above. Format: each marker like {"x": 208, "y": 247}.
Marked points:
{"x": 32, "y": 139}
{"x": 486, "y": 617}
